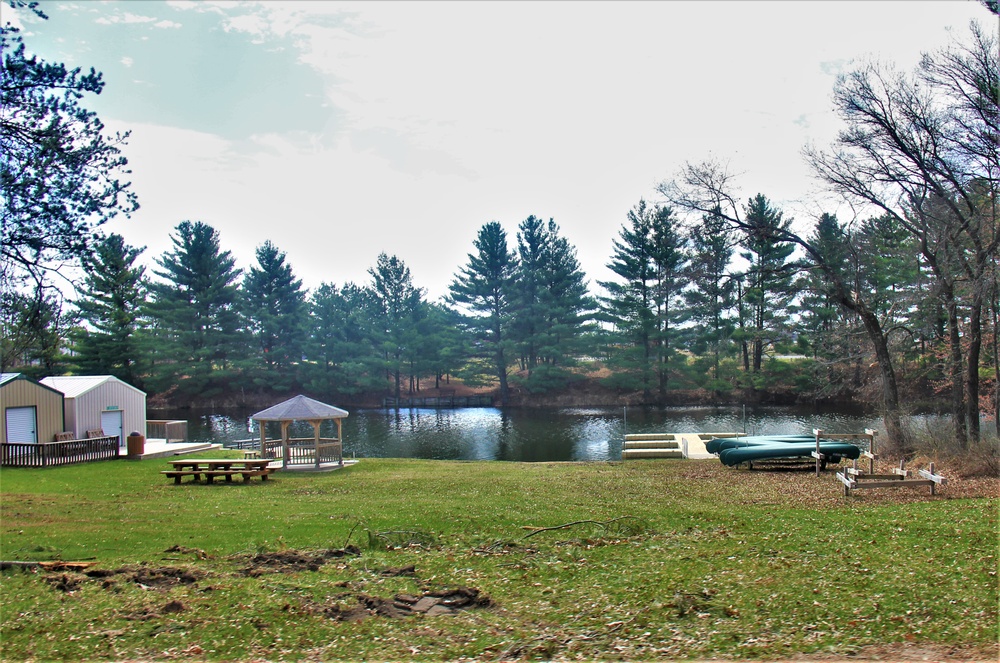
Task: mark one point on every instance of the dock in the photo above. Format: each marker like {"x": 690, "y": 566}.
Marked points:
{"x": 160, "y": 448}
{"x": 669, "y": 445}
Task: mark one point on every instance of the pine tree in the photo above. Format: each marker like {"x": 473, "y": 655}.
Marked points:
{"x": 396, "y": 313}
{"x": 275, "y": 313}
{"x": 196, "y": 315}
{"x": 485, "y": 286}
{"x": 341, "y": 355}
{"x": 645, "y": 308}
{"x": 111, "y": 303}
{"x": 768, "y": 279}
{"x": 670, "y": 262}
{"x": 629, "y": 305}
{"x": 712, "y": 297}
{"x": 551, "y": 306}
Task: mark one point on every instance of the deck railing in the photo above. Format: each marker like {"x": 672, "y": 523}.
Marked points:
{"x": 171, "y": 430}
{"x": 48, "y": 454}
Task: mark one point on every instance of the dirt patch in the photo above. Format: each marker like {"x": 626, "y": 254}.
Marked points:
{"x": 197, "y": 552}
{"x": 148, "y": 576}
{"x": 351, "y": 607}
{"x": 294, "y": 561}
{"x": 65, "y": 582}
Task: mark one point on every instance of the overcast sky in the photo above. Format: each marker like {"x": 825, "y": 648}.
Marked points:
{"x": 339, "y": 130}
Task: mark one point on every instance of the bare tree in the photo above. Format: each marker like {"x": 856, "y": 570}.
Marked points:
{"x": 709, "y": 188}
{"x": 923, "y": 149}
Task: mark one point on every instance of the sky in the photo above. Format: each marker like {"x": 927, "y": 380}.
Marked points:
{"x": 342, "y": 130}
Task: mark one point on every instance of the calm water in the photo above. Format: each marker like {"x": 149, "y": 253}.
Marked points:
{"x": 558, "y": 434}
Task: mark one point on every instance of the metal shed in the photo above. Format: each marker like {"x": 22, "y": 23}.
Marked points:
{"x": 32, "y": 412}
{"x": 101, "y": 402}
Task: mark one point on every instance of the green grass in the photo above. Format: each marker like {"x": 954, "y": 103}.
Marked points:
{"x": 688, "y": 559}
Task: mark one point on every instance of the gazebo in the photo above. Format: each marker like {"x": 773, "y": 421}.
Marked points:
{"x": 302, "y": 451}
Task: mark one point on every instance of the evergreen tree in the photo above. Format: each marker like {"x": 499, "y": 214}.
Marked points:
{"x": 670, "y": 261}
{"x": 826, "y": 330}
{"x": 396, "y": 312}
{"x": 629, "y": 305}
{"x": 551, "y": 303}
{"x": 712, "y": 295}
{"x": 59, "y": 170}
{"x": 32, "y": 332}
{"x": 196, "y": 315}
{"x": 768, "y": 279}
{"x": 442, "y": 347}
{"x": 111, "y": 304}
{"x": 275, "y": 313}
{"x": 646, "y": 307}
{"x": 485, "y": 286}
{"x": 341, "y": 356}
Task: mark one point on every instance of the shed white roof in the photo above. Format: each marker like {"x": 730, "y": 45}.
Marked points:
{"x": 75, "y": 385}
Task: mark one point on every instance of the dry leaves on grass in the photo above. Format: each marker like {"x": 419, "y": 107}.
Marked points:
{"x": 800, "y": 487}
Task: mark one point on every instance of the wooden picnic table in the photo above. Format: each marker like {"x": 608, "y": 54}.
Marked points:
{"x": 218, "y": 467}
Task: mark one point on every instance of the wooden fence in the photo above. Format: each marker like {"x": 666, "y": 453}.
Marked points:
{"x": 49, "y": 454}
{"x": 438, "y": 401}
{"x": 171, "y": 430}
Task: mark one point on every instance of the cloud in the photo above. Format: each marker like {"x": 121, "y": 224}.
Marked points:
{"x": 126, "y": 18}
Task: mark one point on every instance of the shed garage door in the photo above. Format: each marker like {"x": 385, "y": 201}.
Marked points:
{"x": 21, "y": 425}
{"x": 111, "y": 422}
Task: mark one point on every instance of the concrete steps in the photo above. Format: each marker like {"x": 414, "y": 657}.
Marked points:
{"x": 669, "y": 445}
{"x": 651, "y": 445}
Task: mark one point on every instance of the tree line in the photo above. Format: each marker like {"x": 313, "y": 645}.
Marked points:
{"x": 709, "y": 287}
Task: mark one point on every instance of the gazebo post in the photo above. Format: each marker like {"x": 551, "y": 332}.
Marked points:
{"x": 284, "y": 444}
{"x": 316, "y": 423}
{"x": 263, "y": 438}
{"x": 340, "y": 438}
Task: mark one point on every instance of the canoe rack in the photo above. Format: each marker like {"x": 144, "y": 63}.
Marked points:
{"x": 854, "y": 478}
{"x": 868, "y": 435}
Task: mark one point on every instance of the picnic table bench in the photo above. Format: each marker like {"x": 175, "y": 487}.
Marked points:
{"x": 219, "y": 467}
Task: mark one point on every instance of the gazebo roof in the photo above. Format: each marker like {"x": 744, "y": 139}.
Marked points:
{"x": 300, "y": 408}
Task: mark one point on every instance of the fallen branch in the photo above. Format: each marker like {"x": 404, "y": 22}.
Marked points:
{"x": 47, "y": 566}
{"x": 604, "y": 523}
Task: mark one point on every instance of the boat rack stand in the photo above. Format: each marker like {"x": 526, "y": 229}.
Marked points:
{"x": 869, "y": 435}
{"x": 854, "y": 478}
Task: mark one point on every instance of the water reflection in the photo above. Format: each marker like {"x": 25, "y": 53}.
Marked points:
{"x": 563, "y": 434}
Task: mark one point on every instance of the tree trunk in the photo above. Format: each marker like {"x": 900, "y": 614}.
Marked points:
{"x": 890, "y": 390}
{"x": 501, "y": 367}
{"x": 972, "y": 367}
{"x": 958, "y": 408}
{"x": 996, "y": 355}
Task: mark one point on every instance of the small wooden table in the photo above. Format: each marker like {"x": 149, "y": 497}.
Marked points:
{"x": 219, "y": 467}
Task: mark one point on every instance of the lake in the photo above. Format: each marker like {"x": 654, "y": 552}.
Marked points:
{"x": 525, "y": 434}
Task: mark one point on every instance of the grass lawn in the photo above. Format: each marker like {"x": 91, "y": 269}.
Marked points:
{"x": 656, "y": 560}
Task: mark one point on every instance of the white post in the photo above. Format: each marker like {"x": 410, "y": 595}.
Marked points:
{"x": 817, "y": 432}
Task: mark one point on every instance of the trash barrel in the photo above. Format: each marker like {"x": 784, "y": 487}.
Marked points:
{"x": 136, "y": 443}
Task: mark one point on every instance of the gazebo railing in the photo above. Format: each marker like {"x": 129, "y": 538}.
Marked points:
{"x": 306, "y": 450}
